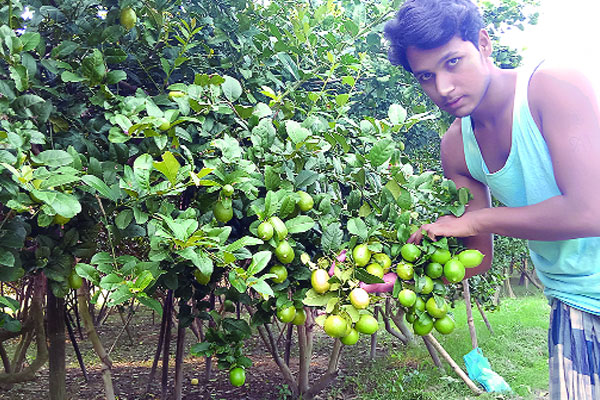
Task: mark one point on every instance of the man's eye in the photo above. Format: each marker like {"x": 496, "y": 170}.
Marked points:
{"x": 425, "y": 77}
{"x": 452, "y": 62}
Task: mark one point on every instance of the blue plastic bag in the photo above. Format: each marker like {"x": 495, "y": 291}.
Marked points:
{"x": 480, "y": 370}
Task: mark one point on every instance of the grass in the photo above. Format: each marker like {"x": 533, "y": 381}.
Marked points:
{"x": 517, "y": 351}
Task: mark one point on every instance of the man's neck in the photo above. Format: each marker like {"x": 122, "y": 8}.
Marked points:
{"x": 498, "y": 99}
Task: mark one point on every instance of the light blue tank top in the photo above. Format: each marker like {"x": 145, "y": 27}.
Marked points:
{"x": 569, "y": 269}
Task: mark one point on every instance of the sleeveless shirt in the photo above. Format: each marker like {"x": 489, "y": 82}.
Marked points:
{"x": 568, "y": 269}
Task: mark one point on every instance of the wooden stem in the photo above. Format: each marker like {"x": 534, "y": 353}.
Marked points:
{"x": 470, "y": 321}
{"x": 429, "y": 337}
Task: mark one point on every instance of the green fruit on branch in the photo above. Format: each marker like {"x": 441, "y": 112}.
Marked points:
{"x": 383, "y": 260}
{"x": 280, "y": 271}
{"x": 222, "y": 213}
{"x": 434, "y": 310}
{"x": 306, "y": 201}
{"x": 279, "y": 227}
{"x": 164, "y": 124}
{"x": 470, "y": 258}
{"x": 127, "y": 18}
{"x": 405, "y": 270}
{"x": 284, "y": 252}
{"x": 361, "y": 255}
{"x": 237, "y": 376}
{"x": 60, "y": 220}
{"x": 425, "y": 288}
{"x": 300, "y": 317}
{"x": 407, "y": 297}
{"x": 444, "y": 325}
{"x": 75, "y": 281}
{"x": 440, "y": 256}
{"x": 410, "y": 252}
{"x": 227, "y": 190}
{"x": 351, "y": 338}
{"x": 286, "y": 314}
{"x": 375, "y": 269}
{"x": 423, "y": 325}
{"x": 335, "y": 326}
{"x": 367, "y": 324}
{"x": 454, "y": 270}
{"x": 434, "y": 270}
{"x": 265, "y": 231}
{"x": 319, "y": 280}
{"x": 359, "y": 298}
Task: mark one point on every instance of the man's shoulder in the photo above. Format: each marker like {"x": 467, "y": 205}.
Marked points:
{"x": 453, "y": 136}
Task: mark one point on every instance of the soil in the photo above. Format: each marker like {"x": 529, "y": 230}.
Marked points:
{"x": 132, "y": 363}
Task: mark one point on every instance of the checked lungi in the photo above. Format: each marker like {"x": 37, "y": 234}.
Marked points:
{"x": 574, "y": 353}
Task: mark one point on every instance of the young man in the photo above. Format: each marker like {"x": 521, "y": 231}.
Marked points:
{"x": 531, "y": 137}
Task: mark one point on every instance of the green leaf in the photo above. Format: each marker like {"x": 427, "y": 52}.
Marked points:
{"x": 93, "y": 68}
{"x": 342, "y": 99}
{"x": 7, "y": 258}
{"x": 362, "y": 275}
{"x": 306, "y": 178}
{"x": 236, "y": 326}
{"x": 169, "y": 166}
{"x": 68, "y": 76}
{"x": 260, "y": 286}
{"x": 272, "y": 179}
{"x": 115, "y": 76}
{"x": 88, "y": 272}
{"x": 100, "y": 186}
{"x": 53, "y": 158}
{"x": 19, "y": 75}
{"x": 243, "y": 242}
{"x": 296, "y": 132}
{"x": 110, "y": 281}
{"x": 357, "y": 226}
{"x": 66, "y": 205}
{"x": 301, "y": 223}
{"x": 10, "y": 303}
{"x": 259, "y": 262}
{"x": 396, "y": 114}
{"x": 30, "y": 40}
{"x": 332, "y": 237}
{"x": 124, "y": 218}
{"x": 314, "y": 299}
{"x": 404, "y": 201}
{"x": 381, "y": 152}
{"x": 150, "y": 303}
{"x": 231, "y": 88}
{"x": 142, "y": 281}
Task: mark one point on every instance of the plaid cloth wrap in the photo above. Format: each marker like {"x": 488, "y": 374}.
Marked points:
{"x": 574, "y": 351}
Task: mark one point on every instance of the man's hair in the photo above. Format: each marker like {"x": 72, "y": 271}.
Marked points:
{"x": 427, "y": 24}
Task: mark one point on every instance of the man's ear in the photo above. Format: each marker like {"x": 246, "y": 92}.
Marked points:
{"x": 485, "y": 43}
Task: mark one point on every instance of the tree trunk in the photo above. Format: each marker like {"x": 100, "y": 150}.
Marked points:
{"x": 179, "y": 353}
{"x": 36, "y": 315}
{"x": 90, "y": 329}
{"x": 374, "y": 337}
{"x": 485, "y": 319}
{"x": 470, "y": 322}
{"x": 432, "y": 352}
{"x": 166, "y": 349}
{"x": 161, "y": 339}
{"x": 508, "y": 287}
{"x": 55, "y": 312}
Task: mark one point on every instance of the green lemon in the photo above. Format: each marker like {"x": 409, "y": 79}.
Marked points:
{"x": 306, "y": 201}
{"x": 127, "y": 18}
{"x": 284, "y": 252}
{"x": 361, "y": 255}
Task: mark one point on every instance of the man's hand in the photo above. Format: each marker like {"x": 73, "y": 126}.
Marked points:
{"x": 446, "y": 226}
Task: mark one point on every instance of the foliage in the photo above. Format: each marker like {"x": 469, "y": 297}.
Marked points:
{"x": 134, "y": 132}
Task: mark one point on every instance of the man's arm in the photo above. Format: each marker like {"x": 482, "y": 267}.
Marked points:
{"x": 566, "y": 108}
{"x": 455, "y": 169}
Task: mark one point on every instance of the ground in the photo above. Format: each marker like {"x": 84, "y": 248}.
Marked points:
{"x": 132, "y": 362}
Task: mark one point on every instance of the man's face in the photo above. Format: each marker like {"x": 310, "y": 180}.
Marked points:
{"x": 455, "y": 75}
